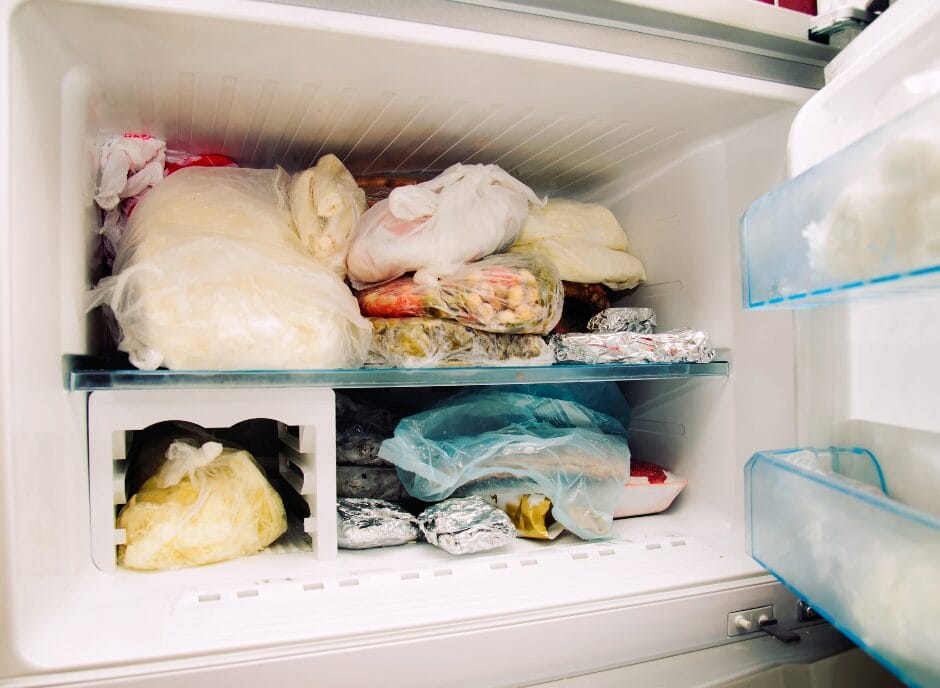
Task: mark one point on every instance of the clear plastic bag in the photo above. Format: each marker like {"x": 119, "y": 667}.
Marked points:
{"x": 211, "y": 275}
{"x": 465, "y": 213}
{"x": 493, "y": 441}
{"x": 587, "y": 263}
{"x": 433, "y": 343}
{"x": 512, "y": 294}
{"x": 204, "y": 504}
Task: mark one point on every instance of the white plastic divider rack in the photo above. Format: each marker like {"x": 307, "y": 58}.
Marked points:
{"x": 307, "y": 459}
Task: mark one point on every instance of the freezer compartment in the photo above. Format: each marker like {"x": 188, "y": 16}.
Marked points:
{"x": 297, "y": 444}
{"x": 864, "y": 222}
{"x": 819, "y": 520}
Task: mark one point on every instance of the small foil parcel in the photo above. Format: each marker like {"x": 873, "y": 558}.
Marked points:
{"x": 641, "y": 320}
{"x": 465, "y": 525}
{"x": 365, "y": 523}
{"x": 675, "y": 346}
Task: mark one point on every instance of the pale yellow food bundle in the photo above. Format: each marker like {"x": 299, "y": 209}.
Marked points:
{"x": 205, "y": 504}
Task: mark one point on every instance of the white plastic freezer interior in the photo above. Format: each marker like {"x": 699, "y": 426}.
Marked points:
{"x": 676, "y": 152}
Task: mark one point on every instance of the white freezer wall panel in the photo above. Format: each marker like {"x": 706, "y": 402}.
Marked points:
{"x": 272, "y": 83}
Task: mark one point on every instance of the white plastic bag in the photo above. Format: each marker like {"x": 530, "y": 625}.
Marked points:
{"x": 129, "y": 164}
{"x": 206, "y": 503}
{"x": 465, "y": 213}
{"x": 211, "y": 275}
{"x": 326, "y": 205}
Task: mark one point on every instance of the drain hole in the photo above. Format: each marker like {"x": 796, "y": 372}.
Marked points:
{"x": 678, "y": 543}
{"x": 528, "y": 562}
{"x": 313, "y": 586}
{"x": 413, "y": 575}
{"x": 211, "y": 597}
{"x": 579, "y": 555}
{"x": 443, "y": 572}
{"x": 247, "y": 593}
{"x": 607, "y": 552}
{"x": 655, "y": 546}
{"x": 349, "y": 582}
{"x": 499, "y": 565}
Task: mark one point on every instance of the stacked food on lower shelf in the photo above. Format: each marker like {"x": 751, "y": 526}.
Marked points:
{"x": 217, "y": 267}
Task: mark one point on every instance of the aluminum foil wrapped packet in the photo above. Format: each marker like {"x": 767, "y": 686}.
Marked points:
{"x": 367, "y": 523}
{"x": 675, "y": 346}
{"x": 641, "y": 320}
{"x": 465, "y": 525}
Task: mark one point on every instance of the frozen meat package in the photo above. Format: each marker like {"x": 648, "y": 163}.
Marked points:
{"x": 511, "y": 294}
{"x": 465, "y": 213}
{"x": 211, "y": 274}
{"x": 490, "y": 441}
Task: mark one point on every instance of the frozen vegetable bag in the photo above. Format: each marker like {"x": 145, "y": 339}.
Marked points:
{"x": 211, "y": 274}
{"x": 497, "y": 440}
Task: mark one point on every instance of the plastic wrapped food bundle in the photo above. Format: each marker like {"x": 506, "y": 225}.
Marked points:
{"x": 368, "y": 523}
{"x": 491, "y": 441}
{"x": 211, "y": 275}
{"x": 506, "y": 293}
{"x": 430, "y": 342}
{"x": 326, "y": 205}
{"x": 205, "y": 504}
{"x": 583, "y": 241}
{"x": 466, "y": 525}
{"x": 675, "y": 346}
{"x": 465, "y": 213}
{"x": 529, "y": 513}
{"x": 360, "y": 431}
{"x": 369, "y": 481}
{"x": 641, "y": 320}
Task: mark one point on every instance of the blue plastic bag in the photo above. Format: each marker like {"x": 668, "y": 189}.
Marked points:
{"x": 495, "y": 440}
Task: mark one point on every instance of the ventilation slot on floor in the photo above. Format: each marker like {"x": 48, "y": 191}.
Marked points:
{"x": 349, "y": 582}
{"x": 246, "y": 593}
{"x": 678, "y": 543}
{"x": 411, "y": 575}
{"x": 443, "y": 572}
{"x": 654, "y": 546}
{"x": 313, "y": 586}
{"x": 528, "y": 562}
{"x": 211, "y": 597}
{"x": 607, "y": 552}
{"x": 499, "y": 565}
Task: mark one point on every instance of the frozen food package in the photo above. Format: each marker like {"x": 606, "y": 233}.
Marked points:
{"x": 562, "y": 218}
{"x": 511, "y": 294}
{"x": 368, "y": 523}
{"x": 650, "y": 490}
{"x": 640, "y": 320}
{"x": 374, "y": 482}
{"x": 211, "y": 275}
{"x": 432, "y": 343}
{"x": 531, "y": 514}
{"x": 675, "y": 346}
{"x": 465, "y": 213}
{"x": 147, "y": 452}
{"x": 582, "y": 261}
{"x": 326, "y": 204}
{"x": 378, "y": 187}
{"x": 502, "y": 441}
{"x": 466, "y": 525}
{"x": 360, "y": 431}
{"x": 206, "y": 503}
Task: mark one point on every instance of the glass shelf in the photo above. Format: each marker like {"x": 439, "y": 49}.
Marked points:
{"x": 864, "y": 222}
{"x": 87, "y": 374}
{"x": 820, "y": 521}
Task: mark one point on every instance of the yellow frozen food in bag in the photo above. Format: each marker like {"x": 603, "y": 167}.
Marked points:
{"x": 207, "y": 503}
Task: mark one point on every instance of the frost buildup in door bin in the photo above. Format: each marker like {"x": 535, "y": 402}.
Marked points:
{"x": 211, "y": 274}
{"x": 205, "y": 504}
{"x": 493, "y": 441}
